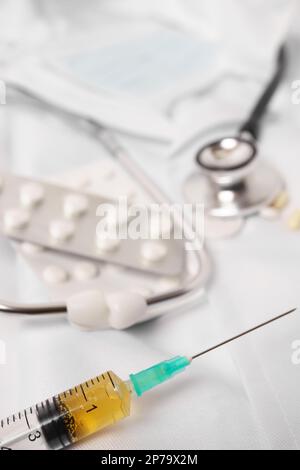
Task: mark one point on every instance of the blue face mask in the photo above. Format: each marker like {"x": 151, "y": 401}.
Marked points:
{"x": 144, "y": 65}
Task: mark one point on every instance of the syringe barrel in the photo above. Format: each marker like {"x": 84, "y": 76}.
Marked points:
{"x": 68, "y": 417}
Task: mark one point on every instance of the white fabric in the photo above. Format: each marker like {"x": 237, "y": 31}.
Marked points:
{"x": 213, "y": 39}
{"x": 241, "y": 26}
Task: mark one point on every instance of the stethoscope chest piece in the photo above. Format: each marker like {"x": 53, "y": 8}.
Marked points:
{"x": 232, "y": 181}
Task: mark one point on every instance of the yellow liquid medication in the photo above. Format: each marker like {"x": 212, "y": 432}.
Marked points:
{"x": 67, "y": 418}
{"x": 94, "y": 405}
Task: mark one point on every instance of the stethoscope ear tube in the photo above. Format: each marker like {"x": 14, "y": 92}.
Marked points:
{"x": 233, "y": 154}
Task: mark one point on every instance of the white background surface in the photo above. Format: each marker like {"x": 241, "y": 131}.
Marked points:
{"x": 244, "y": 396}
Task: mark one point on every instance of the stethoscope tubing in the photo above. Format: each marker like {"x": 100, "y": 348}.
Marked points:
{"x": 195, "y": 282}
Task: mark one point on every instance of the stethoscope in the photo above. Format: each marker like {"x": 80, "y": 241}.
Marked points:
{"x": 233, "y": 181}
{"x": 95, "y": 310}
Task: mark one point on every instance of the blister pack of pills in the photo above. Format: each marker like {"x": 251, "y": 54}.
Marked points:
{"x": 63, "y": 273}
{"x": 67, "y": 221}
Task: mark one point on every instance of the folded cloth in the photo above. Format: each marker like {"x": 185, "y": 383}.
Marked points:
{"x": 251, "y": 31}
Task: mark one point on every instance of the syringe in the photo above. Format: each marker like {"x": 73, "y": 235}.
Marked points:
{"x": 65, "y": 419}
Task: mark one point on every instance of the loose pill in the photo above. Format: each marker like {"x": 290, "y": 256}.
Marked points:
{"x": 31, "y": 194}
{"x": 62, "y": 230}
{"x": 75, "y": 205}
{"x": 85, "y": 271}
{"x": 281, "y": 201}
{"x": 55, "y": 275}
{"x": 154, "y": 252}
{"x": 15, "y": 219}
{"x": 294, "y": 220}
{"x": 274, "y": 210}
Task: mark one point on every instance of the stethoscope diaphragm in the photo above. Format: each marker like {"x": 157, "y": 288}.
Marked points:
{"x": 240, "y": 198}
{"x": 226, "y": 154}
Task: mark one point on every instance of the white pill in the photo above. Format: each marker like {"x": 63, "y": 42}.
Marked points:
{"x": 294, "y": 220}
{"x": 85, "y": 271}
{"x": 55, "y": 275}
{"x": 15, "y": 219}
{"x": 31, "y": 194}
{"x": 75, "y": 205}
{"x": 62, "y": 230}
{"x": 107, "y": 243}
{"x": 154, "y": 252}
{"x": 31, "y": 248}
